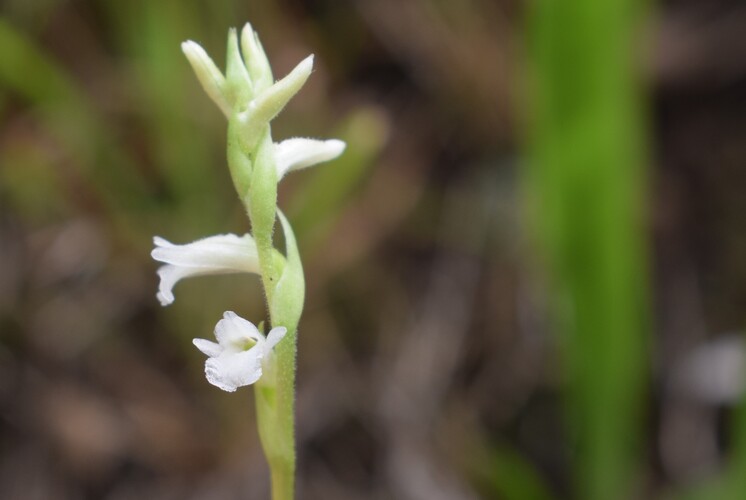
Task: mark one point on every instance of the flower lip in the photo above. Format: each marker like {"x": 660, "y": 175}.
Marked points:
{"x": 236, "y": 359}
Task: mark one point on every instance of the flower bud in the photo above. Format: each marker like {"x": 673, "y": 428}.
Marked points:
{"x": 208, "y": 74}
{"x": 238, "y": 87}
{"x": 269, "y": 103}
{"x": 255, "y": 59}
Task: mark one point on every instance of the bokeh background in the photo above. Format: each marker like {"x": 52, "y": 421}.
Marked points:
{"x": 431, "y": 363}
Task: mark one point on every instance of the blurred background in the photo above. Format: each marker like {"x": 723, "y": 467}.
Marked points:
{"x": 437, "y": 359}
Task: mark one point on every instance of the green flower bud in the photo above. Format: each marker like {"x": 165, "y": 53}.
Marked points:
{"x": 238, "y": 87}
{"x": 255, "y": 59}
{"x": 208, "y": 74}
{"x": 269, "y": 103}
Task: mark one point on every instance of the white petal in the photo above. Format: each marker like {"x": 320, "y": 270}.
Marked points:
{"x": 233, "y": 332}
{"x": 208, "y": 347}
{"x": 247, "y": 328}
{"x": 298, "y": 153}
{"x": 161, "y": 242}
{"x": 170, "y": 275}
{"x": 225, "y": 253}
{"x": 230, "y": 371}
{"x": 275, "y": 335}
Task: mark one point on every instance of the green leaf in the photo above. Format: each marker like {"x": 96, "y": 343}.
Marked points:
{"x": 588, "y": 188}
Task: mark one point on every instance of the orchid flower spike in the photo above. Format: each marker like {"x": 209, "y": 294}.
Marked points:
{"x": 221, "y": 254}
{"x": 236, "y": 359}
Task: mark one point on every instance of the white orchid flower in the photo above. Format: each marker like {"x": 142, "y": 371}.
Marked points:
{"x": 297, "y": 153}
{"x": 221, "y": 254}
{"x": 236, "y": 359}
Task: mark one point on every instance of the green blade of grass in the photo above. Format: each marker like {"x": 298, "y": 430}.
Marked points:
{"x": 587, "y": 188}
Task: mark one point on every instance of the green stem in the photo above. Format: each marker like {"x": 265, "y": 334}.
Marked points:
{"x": 275, "y": 406}
{"x": 249, "y": 98}
{"x": 275, "y": 392}
{"x": 261, "y": 206}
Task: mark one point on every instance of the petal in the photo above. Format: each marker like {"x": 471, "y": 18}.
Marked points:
{"x": 247, "y": 328}
{"x": 275, "y": 335}
{"x": 233, "y": 332}
{"x": 230, "y": 371}
{"x": 161, "y": 242}
{"x": 208, "y": 347}
{"x": 224, "y": 252}
{"x": 170, "y": 275}
{"x": 298, "y": 153}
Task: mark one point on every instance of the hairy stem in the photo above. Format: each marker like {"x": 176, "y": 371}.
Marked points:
{"x": 275, "y": 392}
